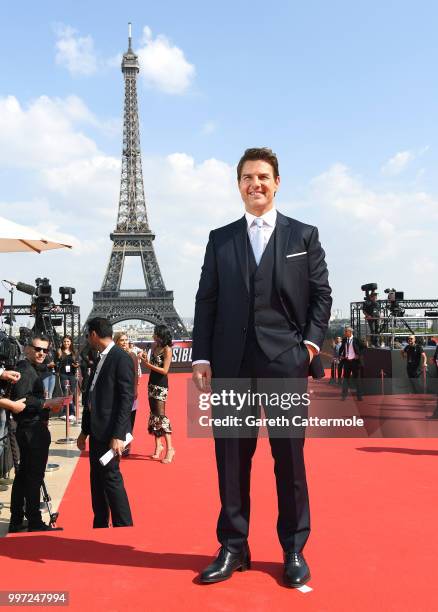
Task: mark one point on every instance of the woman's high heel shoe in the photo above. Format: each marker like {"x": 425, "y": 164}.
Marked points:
{"x": 158, "y": 452}
{"x": 169, "y": 456}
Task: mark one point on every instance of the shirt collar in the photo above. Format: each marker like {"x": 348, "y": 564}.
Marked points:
{"x": 269, "y": 218}
{"x": 108, "y": 348}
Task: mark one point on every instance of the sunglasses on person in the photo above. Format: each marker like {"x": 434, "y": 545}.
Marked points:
{"x": 40, "y": 349}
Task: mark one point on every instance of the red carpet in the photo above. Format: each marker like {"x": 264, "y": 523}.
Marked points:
{"x": 373, "y": 546}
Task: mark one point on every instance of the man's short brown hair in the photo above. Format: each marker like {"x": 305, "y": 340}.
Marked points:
{"x": 256, "y": 154}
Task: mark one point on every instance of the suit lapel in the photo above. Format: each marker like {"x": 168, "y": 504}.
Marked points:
{"x": 240, "y": 244}
{"x": 107, "y": 360}
{"x": 282, "y": 230}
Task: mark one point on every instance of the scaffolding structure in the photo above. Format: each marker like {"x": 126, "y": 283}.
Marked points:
{"x": 394, "y": 326}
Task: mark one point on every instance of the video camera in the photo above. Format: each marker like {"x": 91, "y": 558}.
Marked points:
{"x": 43, "y": 307}
{"x": 394, "y": 298}
{"x": 10, "y": 353}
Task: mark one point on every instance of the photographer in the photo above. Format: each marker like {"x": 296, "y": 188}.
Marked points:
{"x": 371, "y": 311}
{"x": 416, "y": 363}
{"x": 33, "y": 438}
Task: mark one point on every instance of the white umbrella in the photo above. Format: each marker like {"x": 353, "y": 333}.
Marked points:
{"x": 15, "y": 238}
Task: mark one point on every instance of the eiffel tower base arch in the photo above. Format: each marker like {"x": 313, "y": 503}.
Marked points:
{"x": 155, "y": 307}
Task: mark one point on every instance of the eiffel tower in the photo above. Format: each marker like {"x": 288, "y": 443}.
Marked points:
{"x": 132, "y": 236}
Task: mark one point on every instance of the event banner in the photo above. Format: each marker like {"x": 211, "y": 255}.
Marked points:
{"x": 181, "y": 354}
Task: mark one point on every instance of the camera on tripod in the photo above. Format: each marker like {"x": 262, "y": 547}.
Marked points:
{"x": 43, "y": 307}
{"x": 370, "y": 306}
{"x": 10, "y": 352}
{"x": 394, "y": 298}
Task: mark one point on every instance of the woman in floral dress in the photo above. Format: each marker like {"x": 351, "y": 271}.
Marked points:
{"x": 159, "y": 425}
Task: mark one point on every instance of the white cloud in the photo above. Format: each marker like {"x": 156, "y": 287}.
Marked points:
{"x": 44, "y": 132}
{"x": 400, "y": 161}
{"x": 93, "y": 179}
{"x": 74, "y": 52}
{"x": 164, "y": 65}
{"x": 208, "y": 128}
{"x": 186, "y": 200}
{"x": 396, "y": 164}
{"x": 374, "y": 235}
{"x": 115, "y": 61}
{"x": 75, "y": 186}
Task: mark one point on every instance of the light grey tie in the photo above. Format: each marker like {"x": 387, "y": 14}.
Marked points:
{"x": 258, "y": 240}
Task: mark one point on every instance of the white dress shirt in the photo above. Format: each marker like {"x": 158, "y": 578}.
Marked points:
{"x": 102, "y": 358}
{"x": 269, "y": 219}
{"x": 349, "y": 350}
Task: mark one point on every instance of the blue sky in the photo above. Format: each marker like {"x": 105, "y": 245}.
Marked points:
{"x": 345, "y": 93}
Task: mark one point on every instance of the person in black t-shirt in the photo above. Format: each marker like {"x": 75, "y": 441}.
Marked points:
{"x": 33, "y": 438}
{"x": 415, "y": 363}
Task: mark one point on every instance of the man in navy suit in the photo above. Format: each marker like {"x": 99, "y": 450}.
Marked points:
{"x": 262, "y": 310}
{"x": 106, "y": 419}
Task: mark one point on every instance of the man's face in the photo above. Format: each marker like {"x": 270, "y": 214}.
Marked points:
{"x": 37, "y": 351}
{"x": 411, "y": 340}
{"x": 348, "y": 333}
{"x": 338, "y": 340}
{"x": 257, "y": 186}
{"x": 92, "y": 339}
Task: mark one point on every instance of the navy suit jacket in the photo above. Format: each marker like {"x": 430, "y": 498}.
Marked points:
{"x": 113, "y": 397}
{"x": 222, "y": 300}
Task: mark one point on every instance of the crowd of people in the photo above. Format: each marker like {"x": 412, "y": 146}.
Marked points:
{"x": 347, "y": 363}
{"x": 110, "y": 401}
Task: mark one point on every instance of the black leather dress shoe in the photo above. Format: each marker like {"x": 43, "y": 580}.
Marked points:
{"x": 44, "y": 527}
{"x": 296, "y": 571}
{"x": 17, "y": 527}
{"x": 225, "y": 564}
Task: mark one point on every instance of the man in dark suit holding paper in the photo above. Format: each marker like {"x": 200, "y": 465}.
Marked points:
{"x": 106, "y": 419}
{"x": 262, "y": 310}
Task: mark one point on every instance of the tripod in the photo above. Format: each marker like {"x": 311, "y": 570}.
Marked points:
{"x": 390, "y": 322}
{"x": 43, "y": 324}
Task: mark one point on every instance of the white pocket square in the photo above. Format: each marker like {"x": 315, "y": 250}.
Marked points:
{"x": 296, "y": 254}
